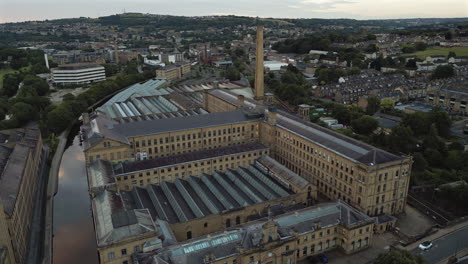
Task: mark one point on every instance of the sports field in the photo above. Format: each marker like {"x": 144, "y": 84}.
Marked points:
{"x": 433, "y": 51}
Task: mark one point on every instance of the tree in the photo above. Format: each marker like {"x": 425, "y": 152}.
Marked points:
{"x": 364, "y": 125}
{"x": 399, "y": 256}
{"x": 291, "y": 92}
{"x": 389, "y": 62}
{"x": 27, "y": 91}
{"x": 441, "y": 120}
{"x": 442, "y": 72}
{"x": 411, "y": 64}
{"x": 419, "y": 123}
{"x": 371, "y": 48}
{"x": 434, "y": 157}
{"x": 377, "y": 63}
{"x": 238, "y": 52}
{"x": 325, "y": 75}
{"x": 456, "y": 146}
{"x": 40, "y": 86}
{"x": 454, "y": 160}
{"x": 387, "y": 103}
{"x": 373, "y": 105}
{"x": 111, "y": 69}
{"x": 402, "y": 140}
{"x": 23, "y": 112}
{"x": 455, "y": 198}
{"x": 451, "y": 54}
{"x": 433, "y": 141}
{"x": 448, "y": 35}
{"x": 10, "y": 84}
{"x": 292, "y": 68}
{"x": 232, "y": 74}
{"x": 408, "y": 49}
{"x": 420, "y": 163}
{"x": 342, "y": 113}
{"x": 420, "y": 46}
{"x": 59, "y": 118}
{"x": 39, "y": 68}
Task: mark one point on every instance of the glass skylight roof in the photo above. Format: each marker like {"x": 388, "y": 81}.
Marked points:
{"x": 222, "y": 239}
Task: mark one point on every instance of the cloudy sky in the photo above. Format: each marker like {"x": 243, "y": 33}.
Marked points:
{"x": 22, "y": 10}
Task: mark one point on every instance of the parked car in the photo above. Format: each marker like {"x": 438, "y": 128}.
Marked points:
{"x": 321, "y": 258}
{"x": 425, "y": 245}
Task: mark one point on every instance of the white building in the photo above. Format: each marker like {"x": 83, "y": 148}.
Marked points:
{"x": 78, "y": 74}
{"x": 274, "y": 65}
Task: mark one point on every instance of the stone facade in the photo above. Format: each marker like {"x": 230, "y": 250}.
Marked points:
{"x": 18, "y": 197}
{"x": 173, "y": 72}
{"x": 287, "y": 238}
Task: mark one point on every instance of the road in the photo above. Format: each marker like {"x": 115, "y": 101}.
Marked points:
{"x": 445, "y": 246}
{"x": 457, "y": 129}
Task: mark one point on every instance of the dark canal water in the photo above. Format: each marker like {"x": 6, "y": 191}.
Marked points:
{"x": 74, "y": 239}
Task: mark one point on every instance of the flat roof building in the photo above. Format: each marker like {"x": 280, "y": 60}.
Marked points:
{"x": 78, "y": 74}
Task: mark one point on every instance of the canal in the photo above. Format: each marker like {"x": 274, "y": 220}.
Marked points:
{"x": 74, "y": 238}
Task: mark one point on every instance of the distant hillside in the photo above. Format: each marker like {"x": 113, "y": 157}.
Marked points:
{"x": 153, "y": 21}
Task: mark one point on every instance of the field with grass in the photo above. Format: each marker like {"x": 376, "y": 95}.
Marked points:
{"x": 433, "y": 51}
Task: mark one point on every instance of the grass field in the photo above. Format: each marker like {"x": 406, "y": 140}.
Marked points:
{"x": 432, "y": 51}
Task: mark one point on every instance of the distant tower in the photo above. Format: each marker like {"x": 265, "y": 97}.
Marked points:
{"x": 206, "y": 55}
{"x": 304, "y": 111}
{"x": 259, "y": 89}
{"x": 46, "y": 61}
{"x": 116, "y": 52}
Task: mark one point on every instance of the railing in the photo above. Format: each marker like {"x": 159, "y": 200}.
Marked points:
{"x": 428, "y": 210}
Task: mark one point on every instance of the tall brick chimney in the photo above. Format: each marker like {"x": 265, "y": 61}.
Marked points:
{"x": 259, "y": 90}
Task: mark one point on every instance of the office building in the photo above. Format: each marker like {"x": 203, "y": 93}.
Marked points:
{"x": 78, "y": 74}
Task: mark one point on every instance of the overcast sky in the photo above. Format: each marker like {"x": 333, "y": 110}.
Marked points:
{"x": 22, "y": 10}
